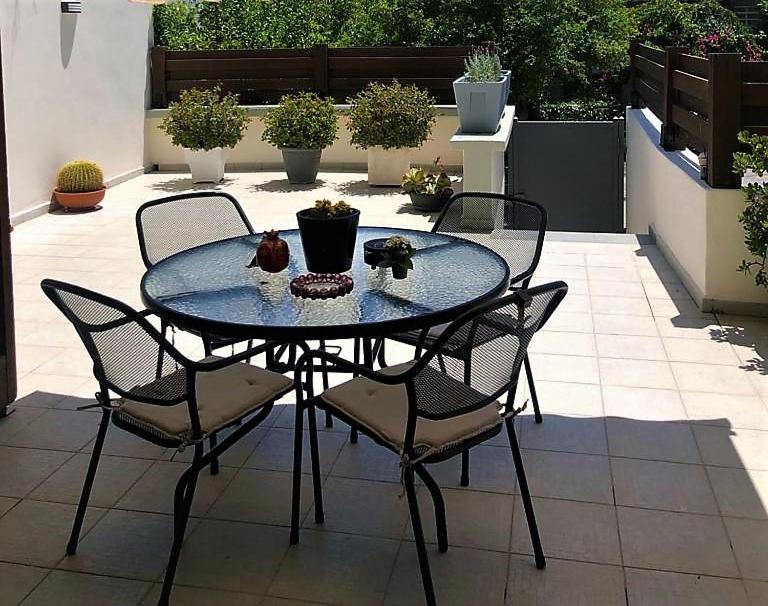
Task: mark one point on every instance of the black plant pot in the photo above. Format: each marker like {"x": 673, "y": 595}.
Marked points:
{"x": 329, "y": 244}
{"x": 430, "y": 202}
{"x": 399, "y": 272}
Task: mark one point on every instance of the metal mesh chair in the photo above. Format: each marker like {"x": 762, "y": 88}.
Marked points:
{"x": 162, "y": 396}
{"x": 434, "y": 408}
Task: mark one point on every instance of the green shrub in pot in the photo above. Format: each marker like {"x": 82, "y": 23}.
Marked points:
{"x": 301, "y": 126}
{"x": 428, "y": 190}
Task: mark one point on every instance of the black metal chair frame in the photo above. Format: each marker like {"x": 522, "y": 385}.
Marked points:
{"x": 521, "y": 298}
{"x": 185, "y": 488}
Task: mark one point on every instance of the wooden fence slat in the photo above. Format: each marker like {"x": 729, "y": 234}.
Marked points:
{"x": 690, "y": 84}
{"x": 724, "y": 118}
{"x": 267, "y": 67}
{"x": 650, "y": 68}
{"x": 320, "y": 69}
{"x": 691, "y": 64}
{"x": 754, "y": 71}
{"x": 253, "y": 53}
{"x": 649, "y": 52}
{"x": 235, "y": 85}
{"x": 754, "y": 94}
{"x": 693, "y": 125}
{"x": 650, "y": 95}
{"x": 669, "y": 96}
{"x": 402, "y": 51}
{"x": 388, "y": 67}
{"x": 158, "y": 75}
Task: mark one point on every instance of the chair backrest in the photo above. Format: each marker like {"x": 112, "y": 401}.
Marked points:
{"x": 130, "y": 357}
{"x": 512, "y": 226}
{"x": 177, "y": 223}
{"x": 494, "y": 338}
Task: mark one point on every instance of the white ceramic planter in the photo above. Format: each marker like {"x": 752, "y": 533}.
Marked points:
{"x": 480, "y": 104}
{"x": 206, "y": 166}
{"x": 387, "y": 166}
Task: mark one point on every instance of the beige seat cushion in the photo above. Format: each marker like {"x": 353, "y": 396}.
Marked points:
{"x": 223, "y": 396}
{"x": 383, "y": 409}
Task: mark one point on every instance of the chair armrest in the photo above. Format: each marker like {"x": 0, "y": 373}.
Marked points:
{"x": 200, "y": 366}
{"x": 389, "y": 379}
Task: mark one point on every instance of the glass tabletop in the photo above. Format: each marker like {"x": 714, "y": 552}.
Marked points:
{"x": 210, "y": 289}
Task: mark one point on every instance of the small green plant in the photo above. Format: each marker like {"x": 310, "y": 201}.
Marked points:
{"x": 754, "y": 217}
{"x": 392, "y": 116}
{"x": 482, "y": 66}
{"x": 301, "y": 121}
{"x": 203, "y": 119}
{"x": 420, "y": 181}
{"x": 79, "y": 176}
{"x": 325, "y": 209}
{"x": 397, "y": 254}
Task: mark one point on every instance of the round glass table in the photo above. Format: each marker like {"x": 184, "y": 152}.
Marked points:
{"x": 209, "y": 289}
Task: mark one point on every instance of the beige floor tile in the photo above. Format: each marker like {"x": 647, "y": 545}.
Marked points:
{"x": 698, "y": 350}
{"x": 275, "y": 451}
{"x": 232, "y": 556}
{"x": 727, "y": 410}
{"x": 120, "y": 443}
{"x": 570, "y": 530}
{"x": 677, "y": 308}
{"x": 339, "y": 568}
{"x": 17, "y": 582}
{"x": 23, "y": 469}
{"x": 636, "y": 373}
{"x": 558, "y": 398}
{"x": 73, "y": 589}
{"x": 154, "y": 492}
{"x": 47, "y": 390}
{"x": 612, "y": 324}
{"x": 584, "y": 435}
{"x": 36, "y": 532}
{"x": 678, "y": 542}
{"x": 58, "y": 430}
{"x": 114, "y": 477}
{"x": 696, "y": 326}
{"x": 740, "y": 448}
{"x": 617, "y": 274}
{"x": 461, "y": 576}
{"x": 654, "y": 588}
{"x": 622, "y": 306}
{"x": 609, "y": 288}
{"x": 6, "y": 503}
{"x": 740, "y": 493}
{"x": 656, "y": 440}
{"x": 490, "y": 469}
{"x": 636, "y": 347}
{"x": 643, "y": 403}
{"x": 660, "y": 485}
{"x": 367, "y": 461}
{"x": 563, "y": 475}
{"x": 237, "y": 454}
{"x": 666, "y": 290}
{"x": 750, "y": 544}
{"x": 20, "y": 417}
{"x": 197, "y": 596}
{"x": 576, "y": 303}
{"x": 570, "y": 369}
{"x": 564, "y": 582}
{"x": 571, "y": 322}
{"x": 565, "y": 343}
{"x": 757, "y": 592}
{"x": 712, "y": 378}
{"x": 479, "y": 520}
{"x": 256, "y": 495}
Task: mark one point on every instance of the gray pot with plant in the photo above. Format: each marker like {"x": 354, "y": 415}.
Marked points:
{"x": 481, "y": 93}
{"x": 301, "y": 126}
{"x": 206, "y": 125}
{"x": 429, "y": 191}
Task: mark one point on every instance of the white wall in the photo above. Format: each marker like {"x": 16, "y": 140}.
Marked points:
{"x": 696, "y": 226}
{"x": 75, "y": 87}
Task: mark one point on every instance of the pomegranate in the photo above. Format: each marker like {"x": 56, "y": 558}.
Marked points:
{"x": 272, "y": 255}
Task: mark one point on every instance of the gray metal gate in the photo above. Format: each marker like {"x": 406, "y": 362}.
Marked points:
{"x": 574, "y": 169}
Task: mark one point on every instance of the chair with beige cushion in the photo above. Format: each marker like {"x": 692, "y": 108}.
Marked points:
{"x": 434, "y": 408}
{"x": 148, "y": 388}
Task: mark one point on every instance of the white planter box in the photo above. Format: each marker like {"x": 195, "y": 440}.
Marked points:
{"x": 206, "y": 166}
{"x": 387, "y": 166}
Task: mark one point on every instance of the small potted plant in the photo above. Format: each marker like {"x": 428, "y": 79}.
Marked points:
{"x": 207, "y": 126}
{"x": 428, "y": 190}
{"x": 481, "y": 93}
{"x": 388, "y": 120}
{"x": 328, "y": 234}
{"x": 79, "y": 185}
{"x": 301, "y": 126}
{"x": 397, "y": 254}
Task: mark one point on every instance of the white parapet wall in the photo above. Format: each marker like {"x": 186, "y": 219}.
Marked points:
{"x": 75, "y": 87}
{"x": 254, "y": 154}
{"x": 695, "y": 226}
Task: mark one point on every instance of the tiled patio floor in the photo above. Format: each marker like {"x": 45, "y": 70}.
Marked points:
{"x": 650, "y": 470}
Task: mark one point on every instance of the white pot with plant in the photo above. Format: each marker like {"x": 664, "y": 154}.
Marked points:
{"x": 301, "y": 126}
{"x": 481, "y": 93}
{"x": 206, "y": 125}
{"x": 390, "y": 120}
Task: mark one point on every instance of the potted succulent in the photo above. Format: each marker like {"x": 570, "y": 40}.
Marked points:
{"x": 301, "y": 126}
{"x": 388, "y": 120}
{"x": 481, "y": 93}
{"x": 328, "y": 234}
{"x": 397, "y": 254}
{"x": 428, "y": 190}
{"x": 79, "y": 185}
{"x": 207, "y": 126}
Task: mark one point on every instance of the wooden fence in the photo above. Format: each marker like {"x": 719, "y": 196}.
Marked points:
{"x": 702, "y": 102}
{"x": 264, "y": 75}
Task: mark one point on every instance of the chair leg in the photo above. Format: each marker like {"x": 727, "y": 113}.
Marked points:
{"x": 532, "y": 389}
{"x": 207, "y": 349}
{"x": 464, "y": 468}
{"x": 212, "y": 441}
{"x": 418, "y": 535}
{"x": 326, "y": 384}
{"x": 439, "y": 503}
{"x": 526, "y": 496}
{"x": 296, "y": 492}
{"x": 90, "y": 476}
{"x": 315, "y": 456}
{"x": 182, "y": 505}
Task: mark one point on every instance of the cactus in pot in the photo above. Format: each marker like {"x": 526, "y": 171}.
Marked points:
{"x": 79, "y": 184}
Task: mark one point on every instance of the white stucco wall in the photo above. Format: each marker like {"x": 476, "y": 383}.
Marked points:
{"x": 696, "y": 226}
{"x": 75, "y": 87}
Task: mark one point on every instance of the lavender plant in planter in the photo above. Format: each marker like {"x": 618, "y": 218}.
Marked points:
{"x": 481, "y": 93}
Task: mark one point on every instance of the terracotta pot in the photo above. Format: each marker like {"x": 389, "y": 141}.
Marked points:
{"x": 86, "y": 199}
